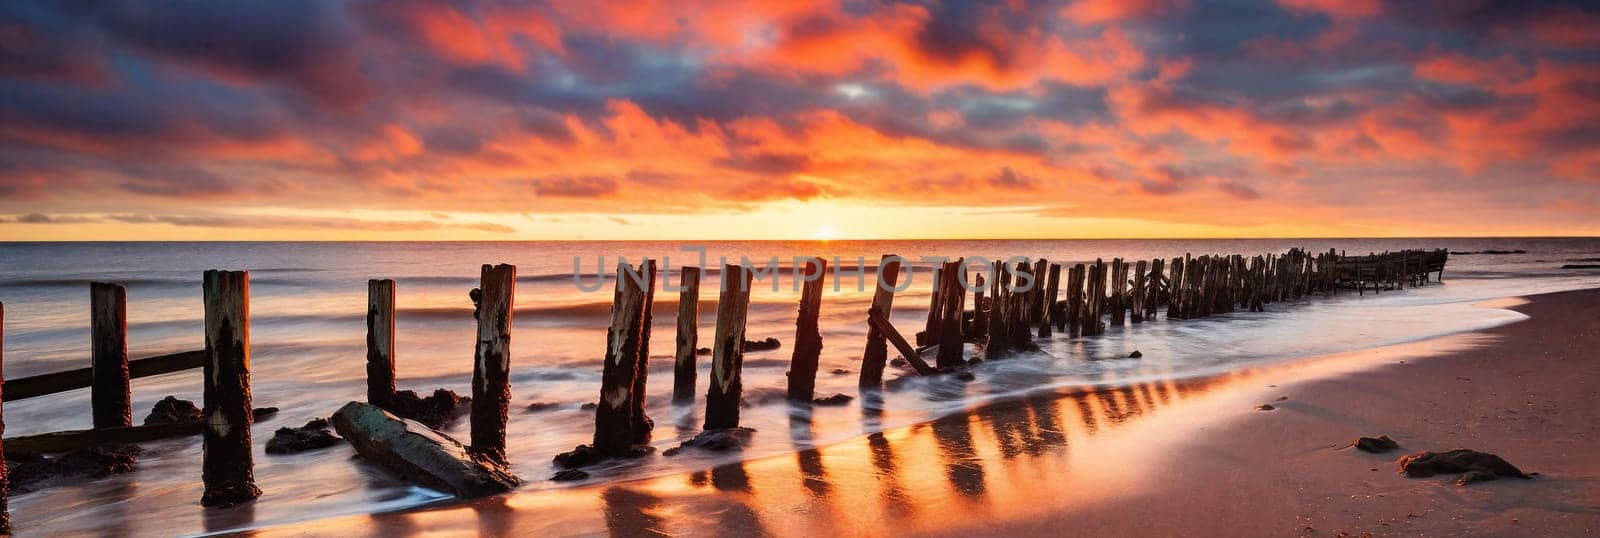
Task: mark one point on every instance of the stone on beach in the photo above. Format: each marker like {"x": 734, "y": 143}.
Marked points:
{"x": 536, "y": 407}
{"x": 834, "y": 399}
{"x": 1473, "y": 466}
{"x": 1135, "y": 355}
{"x": 171, "y": 410}
{"x": 312, "y": 436}
{"x": 716, "y": 440}
{"x": 419, "y": 455}
{"x": 435, "y": 411}
{"x": 33, "y": 472}
{"x": 1375, "y": 445}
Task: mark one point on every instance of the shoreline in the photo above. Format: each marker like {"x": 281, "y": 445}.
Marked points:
{"x": 1109, "y": 460}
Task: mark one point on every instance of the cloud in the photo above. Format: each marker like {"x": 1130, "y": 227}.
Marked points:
{"x": 305, "y": 223}
{"x": 576, "y": 187}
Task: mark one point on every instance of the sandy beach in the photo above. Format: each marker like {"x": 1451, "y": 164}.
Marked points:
{"x": 1193, "y": 457}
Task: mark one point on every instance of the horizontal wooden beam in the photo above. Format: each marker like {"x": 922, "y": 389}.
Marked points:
{"x": 69, "y": 440}
{"x": 51, "y": 383}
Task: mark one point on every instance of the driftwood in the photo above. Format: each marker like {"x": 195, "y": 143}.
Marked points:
{"x": 51, "y": 383}
{"x": 882, "y": 325}
{"x": 419, "y": 455}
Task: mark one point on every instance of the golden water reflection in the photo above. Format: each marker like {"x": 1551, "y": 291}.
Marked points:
{"x": 995, "y": 461}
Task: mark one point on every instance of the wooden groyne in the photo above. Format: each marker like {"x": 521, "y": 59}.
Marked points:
{"x": 999, "y": 308}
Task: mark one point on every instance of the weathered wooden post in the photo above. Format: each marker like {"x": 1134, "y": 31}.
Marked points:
{"x": 1036, "y": 302}
{"x": 227, "y": 466}
{"x": 1051, "y": 291}
{"x": 807, "y": 335}
{"x": 642, "y": 425}
{"x": 108, "y": 372}
{"x": 1175, "y": 290}
{"x": 1119, "y": 292}
{"x": 727, "y": 353}
{"x": 980, "y": 319}
{"x": 876, "y": 356}
{"x": 999, "y": 341}
{"x": 1152, "y": 299}
{"x": 614, "y": 421}
{"x": 950, "y": 338}
{"x": 491, "y": 367}
{"x": 1137, "y": 294}
{"x": 1074, "y": 310}
{"x": 683, "y": 368}
{"x": 5, "y": 477}
{"x": 930, "y": 330}
{"x": 380, "y": 342}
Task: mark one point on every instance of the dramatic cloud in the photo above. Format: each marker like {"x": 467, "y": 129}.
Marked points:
{"x": 1242, "y": 115}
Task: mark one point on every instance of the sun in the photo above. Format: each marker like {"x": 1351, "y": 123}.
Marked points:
{"x": 825, "y": 233}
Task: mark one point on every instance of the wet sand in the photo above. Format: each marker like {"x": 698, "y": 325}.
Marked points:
{"x": 1190, "y": 457}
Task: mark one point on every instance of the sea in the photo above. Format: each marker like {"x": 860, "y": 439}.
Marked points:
{"x": 307, "y": 337}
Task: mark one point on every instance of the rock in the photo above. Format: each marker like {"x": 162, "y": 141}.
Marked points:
{"x": 536, "y": 407}
{"x": 1265, "y": 407}
{"x": 716, "y": 441}
{"x": 35, "y": 472}
{"x": 702, "y": 351}
{"x": 966, "y": 376}
{"x": 835, "y": 399}
{"x": 570, "y": 475}
{"x": 419, "y": 455}
{"x": 1475, "y": 466}
{"x": 1376, "y": 445}
{"x": 435, "y": 411}
{"x": 1135, "y": 355}
{"x": 899, "y": 361}
{"x": 585, "y": 455}
{"x": 840, "y": 371}
{"x": 312, "y": 436}
{"x": 591, "y": 406}
{"x": 764, "y": 345}
{"x": 171, "y": 410}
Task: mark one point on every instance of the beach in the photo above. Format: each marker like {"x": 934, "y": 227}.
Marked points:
{"x": 1174, "y": 457}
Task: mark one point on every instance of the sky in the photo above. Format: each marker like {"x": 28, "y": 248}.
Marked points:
{"x": 681, "y": 119}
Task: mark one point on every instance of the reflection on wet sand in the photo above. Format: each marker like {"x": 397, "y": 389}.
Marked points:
{"x": 993, "y": 461}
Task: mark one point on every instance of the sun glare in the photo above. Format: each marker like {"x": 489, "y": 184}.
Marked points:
{"x": 825, "y": 233}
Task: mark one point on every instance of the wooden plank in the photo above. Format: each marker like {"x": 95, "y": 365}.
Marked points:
{"x": 227, "y": 464}
{"x": 881, "y": 323}
{"x": 78, "y": 378}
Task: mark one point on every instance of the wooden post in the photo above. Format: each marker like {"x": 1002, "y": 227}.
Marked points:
{"x": 614, "y": 422}
{"x": 1137, "y": 294}
{"x": 5, "y": 477}
{"x": 807, "y": 336}
{"x": 108, "y": 328}
{"x": 877, "y": 320}
{"x": 999, "y": 332}
{"x": 642, "y": 425}
{"x": 227, "y": 465}
{"x": 683, "y": 369}
{"x": 952, "y": 342}
{"x": 1051, "y": 291}
{"x": 1036, "y": 300}
{"x": 380, "y": 342}
{"x": 1152, "y": 299}
{"x": 491, "y": 367}
{"x": 727, "y": 354}
{"x": 1119, "y": 292}
{"x": 876, "y": 356}
{"x": 1074, "y": 310}
{"x": 930, "y": 330}
{"x": 980, "y": 315}
{"x": 1018, "y": 319}
{"x": 1175, "y": 290}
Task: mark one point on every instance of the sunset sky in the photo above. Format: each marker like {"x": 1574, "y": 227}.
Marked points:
{"x": 311, "y": 119}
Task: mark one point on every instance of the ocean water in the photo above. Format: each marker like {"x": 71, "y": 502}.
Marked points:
{"x": 308, "y": 303}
